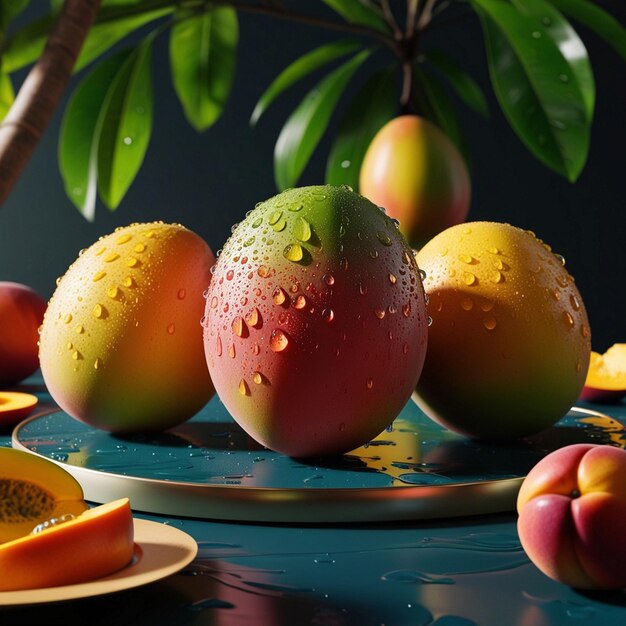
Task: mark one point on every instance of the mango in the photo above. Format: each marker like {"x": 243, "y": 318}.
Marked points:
{"x": 509, "y": 343}
{"x": 121, "y": 343}
{"x": 315, "y": 326}
{"x": 413, "y": 170}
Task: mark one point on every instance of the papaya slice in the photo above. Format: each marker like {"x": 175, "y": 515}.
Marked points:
{"x": 15, "y": 406}
{"x": 33, "y": 490}
{"x": 606, "y": 376}
{"x": 93, "y": 544}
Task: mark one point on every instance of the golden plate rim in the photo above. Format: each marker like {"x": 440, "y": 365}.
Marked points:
{"x": 311, "y": 505}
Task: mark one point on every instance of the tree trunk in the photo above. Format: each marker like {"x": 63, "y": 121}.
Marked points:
{"x": 38, "y": 97}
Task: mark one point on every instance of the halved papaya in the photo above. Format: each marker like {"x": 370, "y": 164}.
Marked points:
{"x": 33, "y": 490}
{"x": 606, "y": 377}
{"x": 15, "y": 406}
{"x": 93, "y": 544}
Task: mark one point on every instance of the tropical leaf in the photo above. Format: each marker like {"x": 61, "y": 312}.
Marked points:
{"x": 80, "y": 134}
{"x": 359, "y": 12}
{"x": 434, "y": 103}
{"x": 537, "y": 81}
{"x": 596, "y": 19}
{"x": 370, "y": 109}
{"x": 7, "y": 95}
{"x": 306, "y": 125}
{"x": 463, "y": 84}
{"x": 113, "y": 24}
{"x": 10, "y": 9}
{"x": 202, "y": 60}
{"x": 126, "y": 126}
{"x": 104, "y": 35}
{"x": 570, "y": 45}
{"x": 300, "y": 68}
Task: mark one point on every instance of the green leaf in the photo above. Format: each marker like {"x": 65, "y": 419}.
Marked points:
{"x": 106, "y": 34}
{"x": 596, "y": 19}
{"x": 10, "y": 9}
{"x": 370, "y": 109}
{"x": 126, "y": 126}
{"x": 465, "y": 86}
{"x": 435, "y": 104}
{"x": 306, "y": 125}
{"x": 570, "y": 45}
{"x": 202, "y": 59}
{"x": 299, "y": 69}
{"x": 359, "y": 12}
{"x": 539, "y": 80}
{"x": 80, "y": 134}
{"x": 7, "y": 95}
{"x": 113, "y": 24}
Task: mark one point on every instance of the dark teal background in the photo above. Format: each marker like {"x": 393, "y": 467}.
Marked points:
{"x": 208, "y": 181}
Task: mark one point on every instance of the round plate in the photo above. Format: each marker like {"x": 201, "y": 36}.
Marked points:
{"x": 209, "y": 468}
{"x": 160, "y": 550}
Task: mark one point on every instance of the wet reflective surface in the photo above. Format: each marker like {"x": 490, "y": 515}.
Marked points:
{"x": 212, "y": 449}
{"x": 465, "y": 572}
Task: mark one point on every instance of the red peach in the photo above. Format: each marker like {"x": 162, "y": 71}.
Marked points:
{"x": 572, "y": 507}
{"x": 21, "y": 314}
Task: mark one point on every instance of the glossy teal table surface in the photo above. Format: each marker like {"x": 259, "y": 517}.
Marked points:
{"x": 460, "y": 572}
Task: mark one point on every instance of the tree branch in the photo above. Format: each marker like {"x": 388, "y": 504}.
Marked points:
{"x": 26, "y": 122}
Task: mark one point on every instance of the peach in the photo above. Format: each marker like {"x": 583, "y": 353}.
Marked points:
{"x": 21, "y": 314}
{"x": 572, "y": 507}
{"x": 414, "y": 171}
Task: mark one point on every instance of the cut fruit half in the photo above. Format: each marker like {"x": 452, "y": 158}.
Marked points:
{"x": 15, "y": 406}
{"x": 64, "y": 552}
{"x": 32, "y": 490}
{"x": 606, "y": 377}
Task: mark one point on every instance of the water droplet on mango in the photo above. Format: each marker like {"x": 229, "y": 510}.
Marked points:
{"x": 467, "y": 304}
{"x": 302, "y": 229}
{"x": 279, "y": 296}
{"x": 239, "y": 327}
{"x": 274, "y": 217}
{"x": 383, "y": 237}
{"x": 293, "y": 252}
{"x": 278, "y": 340}
{"x": 469, "y": 279}
{"x": 490, "y": 323}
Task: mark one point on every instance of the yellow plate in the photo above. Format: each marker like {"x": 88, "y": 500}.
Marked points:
{"x": 160, "y": 550}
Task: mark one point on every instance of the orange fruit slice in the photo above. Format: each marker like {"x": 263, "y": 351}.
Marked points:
{"x": 15, "y": 406}
{"x": 96, "y": 543}
{"x": 32, "y": 490}
{"x": 606, "y": 377}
